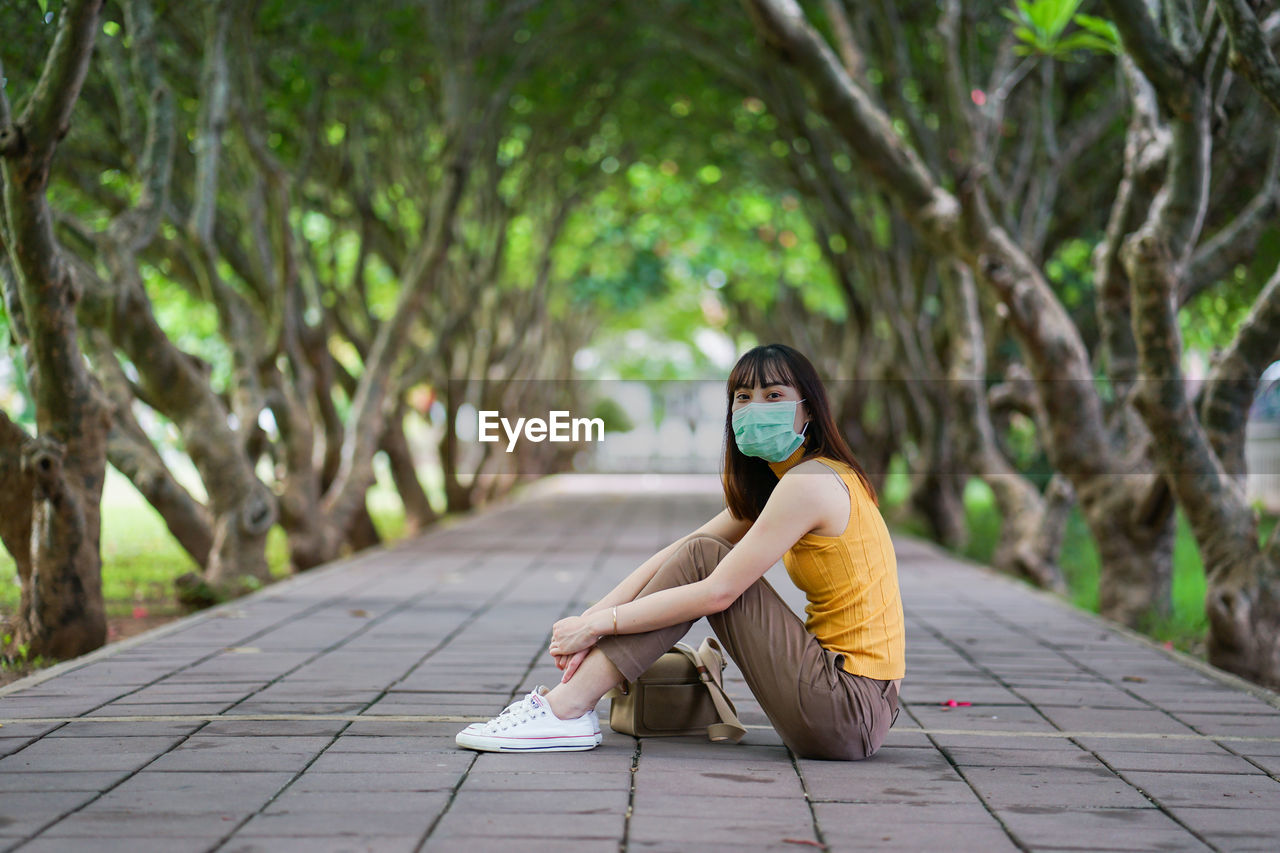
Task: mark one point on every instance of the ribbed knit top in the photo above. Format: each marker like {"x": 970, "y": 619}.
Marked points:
{"x": 851, "y": 582}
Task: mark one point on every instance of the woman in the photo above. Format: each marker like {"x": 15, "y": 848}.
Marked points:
{"x": 830, "y": 684}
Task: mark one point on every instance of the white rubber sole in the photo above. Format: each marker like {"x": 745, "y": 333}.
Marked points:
{"x": 504, "y": 743}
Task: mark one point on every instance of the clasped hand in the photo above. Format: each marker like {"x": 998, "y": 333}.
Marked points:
{"x": 571, "y": 640}
{"x": 572, "y": 634}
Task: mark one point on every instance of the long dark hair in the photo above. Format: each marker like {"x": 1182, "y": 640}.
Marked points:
{"x": 748, "y": 480}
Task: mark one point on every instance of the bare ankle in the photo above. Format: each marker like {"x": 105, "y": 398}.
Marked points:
{"x": 563, "y": 706}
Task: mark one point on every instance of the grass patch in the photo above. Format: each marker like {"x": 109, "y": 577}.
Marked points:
{"x": 140, "y": 559}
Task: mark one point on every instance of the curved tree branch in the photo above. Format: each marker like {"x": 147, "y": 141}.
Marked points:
{"x": 1250, "y": 54}
{"x": 1236, "y": 241}
{"x": 1234, "y": 378}
{"x": 48, "y": 114}
{"x": 1154, "y": 55}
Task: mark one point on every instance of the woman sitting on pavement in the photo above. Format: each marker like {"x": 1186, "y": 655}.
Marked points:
{"x": 830, "y": 684}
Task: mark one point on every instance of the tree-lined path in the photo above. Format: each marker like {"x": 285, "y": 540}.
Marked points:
{"x": 319, "y": 714}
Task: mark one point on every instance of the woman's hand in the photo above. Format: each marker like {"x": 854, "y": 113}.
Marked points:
{"x": 570, "y": 663}
{"x": 572, "y": 634}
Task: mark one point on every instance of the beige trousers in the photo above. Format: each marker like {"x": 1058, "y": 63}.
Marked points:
{"x": 818, "y": 709}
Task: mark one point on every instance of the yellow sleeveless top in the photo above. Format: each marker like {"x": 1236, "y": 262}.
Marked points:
{"x": 851, "y": 582}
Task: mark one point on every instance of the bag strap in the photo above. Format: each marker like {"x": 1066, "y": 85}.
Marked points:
{"x": 710, "y": 663}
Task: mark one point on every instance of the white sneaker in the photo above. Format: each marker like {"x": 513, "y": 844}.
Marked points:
{"x": 529, "y": 725}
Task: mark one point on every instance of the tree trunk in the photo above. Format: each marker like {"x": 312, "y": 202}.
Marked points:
{"x": 131, "y": 452}
{"x": 243, "y": 510}
{"x": 1199, "y": 460}
{"x": 1031, "y": 526}
{"x": 59, "y": 487}
{"x": 418, "y": 514}
{"x": 363, "y": 533}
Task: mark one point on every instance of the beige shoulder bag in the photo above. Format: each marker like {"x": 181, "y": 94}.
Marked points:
{"x": 681, "y": 694}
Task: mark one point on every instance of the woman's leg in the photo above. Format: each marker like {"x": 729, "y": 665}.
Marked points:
{"x": 816, "y": 709}
{"x": 596, "y": 676}
{"x": 626, "y": 656}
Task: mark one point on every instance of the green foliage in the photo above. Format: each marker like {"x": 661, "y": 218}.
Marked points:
{"x": 1210, "y": 321}
{"x": 1040, "y": 27}
{"x": 612, "y": 413}
{"x": 641, "y": 282}
{"x": 17, "y": 657}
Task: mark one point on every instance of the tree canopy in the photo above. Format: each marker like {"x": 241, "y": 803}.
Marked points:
{"x": 276, "y": 237}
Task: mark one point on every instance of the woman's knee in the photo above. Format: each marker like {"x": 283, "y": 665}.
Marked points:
{"x": 836, "y": 752}
{"x": 698, "y": 555}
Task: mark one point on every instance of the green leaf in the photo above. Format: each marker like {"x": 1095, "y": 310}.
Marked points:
{"x": 1086, "y": 41}
{"x": 1027, "y": 35}
{"x": 1059, "y": 15}
{"x": 1100, "y": 27}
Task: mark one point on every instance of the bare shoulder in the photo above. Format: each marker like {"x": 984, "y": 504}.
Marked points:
{"x": 824, "y": 492}
{"x": 816, "y": 489}
{"x": 824, "y": 468}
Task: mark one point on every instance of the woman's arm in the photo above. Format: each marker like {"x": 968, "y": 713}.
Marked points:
{"x": 786, "y": 517}
{"x": 723, "y": 525}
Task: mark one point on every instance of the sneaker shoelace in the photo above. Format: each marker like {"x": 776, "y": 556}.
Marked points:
{"x": 520, "y": 711}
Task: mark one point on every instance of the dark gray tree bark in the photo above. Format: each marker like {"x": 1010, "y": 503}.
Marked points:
{"x": 51, "y": 506}
{"x": 1202, "y": 457}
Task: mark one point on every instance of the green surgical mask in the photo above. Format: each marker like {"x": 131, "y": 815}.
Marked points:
{"x": 764, "y": 429}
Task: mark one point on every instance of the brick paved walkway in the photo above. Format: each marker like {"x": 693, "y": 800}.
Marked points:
{"x": 319, "y": 715}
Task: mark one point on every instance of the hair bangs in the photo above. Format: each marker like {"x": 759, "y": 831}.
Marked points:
{"x": 760, "y": 370}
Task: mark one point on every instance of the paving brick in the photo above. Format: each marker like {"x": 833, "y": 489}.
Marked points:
{"x": 339, "y": 822}
{"x": 883, "y": 835}
{"x": 701, "y": 830}
{"x": 517, "y": 828}
{"x": 273, "y": 728}
{"x": 1002, "y": 787}
{"x": 470, "y": 800}
{"x": 1144, "y": 829}
{"x": 1179, "y": 762}
{"x": 295, "y": 801}
{"x": 347, "y": 783}
{"x": 23, "y": 813}
{"x": 1233, "y": 829}
{"x": 122, "y": 844}
{"x": 88, "y": 827}
{"x": 21, "y": 731}
{"x": 87, "y": 727}
{"x": 56, "y": 780}
{"x": 567, "y": 781}
{"x": 81, "y": 754}
{"x": 1162, "y": 745}
{"x": 739, "y": 779}
{"x": 409, "y": 745}
{"x": 478, "y": 843}
{"x": 245, "y": 843}
{"x": 848, "y": 818}
{"x": 1220, "y": 790}
{"x": 1001, "y": 756}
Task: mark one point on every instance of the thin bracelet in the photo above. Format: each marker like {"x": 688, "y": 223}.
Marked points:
{"x": 615, "y": 618}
